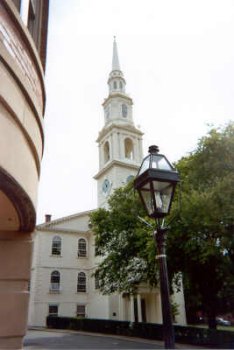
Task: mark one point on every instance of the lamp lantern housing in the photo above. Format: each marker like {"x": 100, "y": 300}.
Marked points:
{"x": 155, "y": 182}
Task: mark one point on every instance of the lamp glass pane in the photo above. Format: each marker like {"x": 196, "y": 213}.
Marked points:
{"x": 161, "y": 185}
{"x": 163, "y": 195}
{"x": 145, "y": 165}
{"x": 160, "y": 162}
{"x": 146, "y": 186}
{"x": 148, "y": 201}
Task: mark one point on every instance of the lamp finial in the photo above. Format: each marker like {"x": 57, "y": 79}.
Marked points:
{"x": 153, "y": 149}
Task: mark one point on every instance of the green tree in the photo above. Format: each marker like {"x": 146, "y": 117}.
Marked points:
{"x": 125, "y": 244}
{"x": 201, "y": 240}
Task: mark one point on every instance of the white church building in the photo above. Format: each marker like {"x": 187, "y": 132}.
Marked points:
{"x": 64, "y": 261}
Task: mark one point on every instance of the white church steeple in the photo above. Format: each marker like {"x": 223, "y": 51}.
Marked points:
{"x": 118, "y": 105}
{"x": 120, "y": 142}
{"x": 115, "y": 57}
{"x": 116, "y": 79}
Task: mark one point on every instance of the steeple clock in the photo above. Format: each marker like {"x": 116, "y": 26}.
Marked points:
{"x": 120, "y": 142}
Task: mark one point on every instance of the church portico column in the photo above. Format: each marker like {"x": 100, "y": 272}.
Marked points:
{"x": 15, "y": 262}
{"x": 100, "y": 154}
{"x": 140, "y": 148}
{"x": 119, "y": 143}
{"x": 121, "y": 308}
{"x": 137, "y": 150}
{"x": 115, "y": 143}
{"x": 122, "y": 153}
{"x": 112, "y": 148}
{"x": 139, "y": 311}
{"x": 132, "y": 317}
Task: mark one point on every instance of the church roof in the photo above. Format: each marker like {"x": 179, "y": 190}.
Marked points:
{"x": 55, "y": 224}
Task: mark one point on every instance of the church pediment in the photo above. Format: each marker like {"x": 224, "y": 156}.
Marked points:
{"x": 74, "y": 223}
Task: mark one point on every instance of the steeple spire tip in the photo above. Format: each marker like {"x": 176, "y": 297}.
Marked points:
{"x": 115, "y": 58}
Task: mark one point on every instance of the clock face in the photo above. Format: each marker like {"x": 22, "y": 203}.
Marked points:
{"x": 106, "y": 186}
{"x": 124, "y": 110}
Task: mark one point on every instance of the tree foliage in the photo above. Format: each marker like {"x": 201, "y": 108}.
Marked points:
{"x": 201, "y": 241}
{"x": 201, "y": 238}
{"x": 124, "y": 243}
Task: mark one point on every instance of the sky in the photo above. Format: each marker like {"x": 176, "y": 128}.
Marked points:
{"x": 177, "y": 57}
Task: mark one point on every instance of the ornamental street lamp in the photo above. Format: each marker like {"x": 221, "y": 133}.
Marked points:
{"x": 155, "y": 182}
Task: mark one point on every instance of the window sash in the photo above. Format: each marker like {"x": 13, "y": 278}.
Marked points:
{"x": 82, "y": 251}
{"x": 56, "y": 250}
{"x": 53, "y": 310}
{"x": 81, "y": 311}
{"x": 81, "y": 283}
{"x": 55, "y": 277}
{"x": 55, "y": 286}
{"x": 56, "y": 246}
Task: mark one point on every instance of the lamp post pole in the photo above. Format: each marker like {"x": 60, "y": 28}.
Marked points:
{"x": 156, "y": 181}
{"x": 160, "y": 241}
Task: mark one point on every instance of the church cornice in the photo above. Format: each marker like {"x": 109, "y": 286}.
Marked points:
{"x": 70, "y": 268}
{"x": 113, "y": 163}
{"x": 121, "y": 127}
{"x": 117, "y": 94}
{"x": 62, "y": 230}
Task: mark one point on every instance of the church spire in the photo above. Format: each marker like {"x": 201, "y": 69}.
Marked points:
{"x": 116, "y": 79}
{"x": 115, "y": 57}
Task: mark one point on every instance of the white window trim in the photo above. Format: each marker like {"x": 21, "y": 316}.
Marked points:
{"x": 86, "y": 283}
{"x": 87, "y": 252}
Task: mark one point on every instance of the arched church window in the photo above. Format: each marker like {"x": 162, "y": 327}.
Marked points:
{"x": 56, "y": 245}
{"x": 120, "y": 85}
{"x": 81, "y": 282}
{"x": 106, "y": 151}
{"x": 115, "y": 85}
{"x": 128, "y": 147}
{"x": 55, "y": 281}
{"x": 82, "y": 251}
